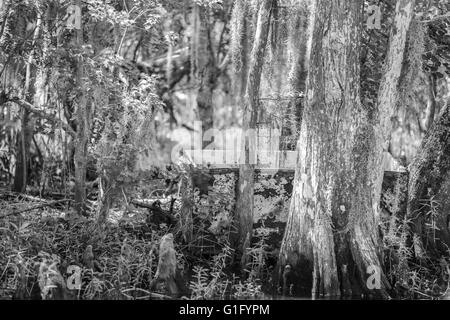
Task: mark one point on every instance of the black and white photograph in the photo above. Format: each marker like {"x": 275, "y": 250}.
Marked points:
{"x": 241, "y": 152}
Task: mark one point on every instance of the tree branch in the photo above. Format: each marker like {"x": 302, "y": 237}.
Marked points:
{"x": 443, "y": 16}
{"x": 42, "y": 114}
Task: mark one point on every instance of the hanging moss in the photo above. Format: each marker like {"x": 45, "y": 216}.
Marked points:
{"x": 276, "y": 64}
{"x": 410, "y": 82}
{"x": 296, "y": 41}
{"x": 237, "y": 30}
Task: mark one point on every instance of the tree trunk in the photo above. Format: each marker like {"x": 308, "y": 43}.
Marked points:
{"x": 244, "y": 204}
{"x": 387, "y": 95}
{"x": 27, "y": 123}
{"x": 82, "y": 136}
{"x": 431, "y": 108}
{"x": 23, "y": 148}
{"x": 202, "y": 64}
{"x": 331, "y": 237}
{"x": 429, "y": 188}
{"x": 239, "y": 45}
{"x": 106, "y": 193}
{"x": 298, "y": 57}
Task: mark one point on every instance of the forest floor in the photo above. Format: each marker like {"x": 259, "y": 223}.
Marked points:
{"x": 39, "y": 247}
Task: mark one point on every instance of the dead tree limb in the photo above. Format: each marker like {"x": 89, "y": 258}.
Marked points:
{"x": 42, "y": 114}
{"x": 154, "y": 208}
{"x": 37, "y": 206}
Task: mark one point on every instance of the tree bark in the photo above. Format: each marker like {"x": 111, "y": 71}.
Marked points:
{"x": 431, "y": 108}
{"x": 429, "y": 182}
{"x": 206, "y": 66}
{"x": 42, "y": 114}
{"x": 238, "y": 51}
{"x": 105, "y": 199}
{"x": 298, "y": 50}
{"x": 331, "y": 237}
{"x": 82, "y": 133}
{"x": 23, "y": 146}
{"x": 244, "y": 204}
{"x": 27, "y": 125}
{"x": 387, "y": 94}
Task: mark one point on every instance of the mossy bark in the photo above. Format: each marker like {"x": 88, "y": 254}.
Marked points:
{"x": 25, "y": 137}
{"x": 244, "y": 205}
{"x": 388, "y": 92}
{"x": 83, "y": 129}
{"x": 331, "y": 237}
{"x": 429, "y": 187}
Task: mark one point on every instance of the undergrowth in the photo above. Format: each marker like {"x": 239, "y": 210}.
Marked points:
{"x": 41, "y": 251}
{"x": 413, "y": 273}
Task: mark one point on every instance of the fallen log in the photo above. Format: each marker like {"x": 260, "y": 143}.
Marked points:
{"x": 37, "y": 206}
{"x": 160, "y": 215}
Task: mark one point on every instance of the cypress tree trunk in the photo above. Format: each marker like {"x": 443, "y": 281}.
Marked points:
{"x": 27, "y": 123}
{"x": 429, "y": 182}
{"x": 431, "y": 108}
{"x": 82, "y": 134}
{"x": 239, "y": 45}
{"x": 331, "y": 237}
{"x": 298, "y": 50}
{"x": 388, "y": 92}
{"x": 204, "y": 66}
{"x": 23, "y": 148}
{"x": 244, "y": 204}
